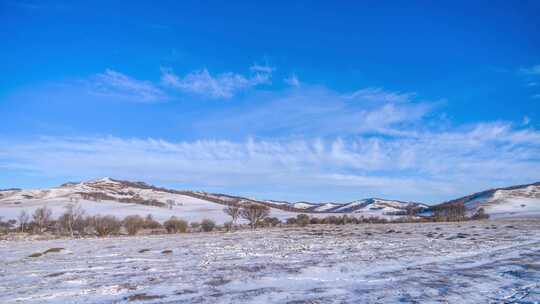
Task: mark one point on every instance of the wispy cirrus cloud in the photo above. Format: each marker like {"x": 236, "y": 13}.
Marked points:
{"x": 117, "y": 85}
{"x": 292, "y": 80}
{"x": 290, "y": 144}
{"x": 531, "y": 75}
{"x": 432, "y": 166}
{"x": 264, "y": 69}
{"x": 224, "y": 85}
{"x": 532, "y": 70}
{"x": 318, "y": 111}
{"x": 379, "y": 95}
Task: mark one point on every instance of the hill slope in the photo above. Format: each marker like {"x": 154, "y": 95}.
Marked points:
{"x": 122, "y": 198}
{"x": 508, "y": 202}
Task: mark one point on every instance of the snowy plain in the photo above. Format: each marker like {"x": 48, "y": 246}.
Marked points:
{"x": 468, "y": 262}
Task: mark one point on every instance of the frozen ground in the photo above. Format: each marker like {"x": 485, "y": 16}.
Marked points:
{"x": 473, "y": 262}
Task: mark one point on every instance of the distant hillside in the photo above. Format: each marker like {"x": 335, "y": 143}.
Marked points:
{"x": 127, "y": 197}
{"x": 514, "y": 201}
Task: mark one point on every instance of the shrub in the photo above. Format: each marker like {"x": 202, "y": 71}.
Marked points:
{"x": 195, "y": 225}
{"x": 150, "y": 223}
{"x": 133, "y": 224}
{"x": 228, "y": 226}
{"x": 302, "y": 220}
{"x": 175, "y": 225}
{"x": 480, "y": 215}
{"x": 333, "y": 220}
{"x": 315, "y": 221}
{"x": 207, "y": 225}
{"x": 5, "y": 227}
{"x": 271, "y": 221}
{"x": 106, "y": 225}
{"x": 291, "y": 221}
{"x": 344, "y": 219}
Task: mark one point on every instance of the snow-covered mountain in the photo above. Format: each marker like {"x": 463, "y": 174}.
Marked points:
{"x": 108, "y": 196}
{"x": 367, "y": 207}
{"x": 515, "y": 201}
{"x": 122, "y": 198}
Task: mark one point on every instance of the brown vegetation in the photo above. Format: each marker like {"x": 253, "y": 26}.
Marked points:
{"x": 254, "y": 214}
{"x": 207, "y": 225}
{"x": 175, "y": 225}
{"x": 133, "y": 224}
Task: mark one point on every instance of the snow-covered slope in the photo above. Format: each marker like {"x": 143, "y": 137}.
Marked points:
{"x": 120, "y": 198}
{"x": 516, "y": 201}
{"x": 326, "y": 207}
{"x": 376, "y": 207}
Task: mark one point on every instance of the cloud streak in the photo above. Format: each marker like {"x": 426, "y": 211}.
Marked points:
{"x": 223, "y": 86}
{"x": 317, "y": 111}
{"x": 533, "y": 70}
{"x": 430, "y": 167}
{"x": 115, "y": 84}
{"x": 292, "y": 80}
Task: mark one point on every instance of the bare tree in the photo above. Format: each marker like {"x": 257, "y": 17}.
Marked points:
{"x": 106, "y": 225}
{"x": 254, "y": 214}
{"x": 271, "y": 221}
{"x": 207, "y": 225}
{"x": 72, "y": 218}
{"x": 133, "y": 224}
{"x": 23, "y": 218}
{"x": 42, "y": 218}
{"x": 233, "y": 212}
{"x": 151, "y": 223}
{"x": 7, "y": 226}
{"x": 302, "y": 220}
{"x": 175, "y": 225}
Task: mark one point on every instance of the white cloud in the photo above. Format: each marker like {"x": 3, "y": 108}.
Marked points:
{"x": 533, "y": 70}
{"x": 115, "y": 84}
{"x": 292, "y": 80}
{"x": 379, "y": 95}
{"x": 431, "y": 166}
{"x": 313, "y": 143}
{"x": 316, "y": 111}
{"x": 265, "y": 69}
{"x": 224, "y": 85}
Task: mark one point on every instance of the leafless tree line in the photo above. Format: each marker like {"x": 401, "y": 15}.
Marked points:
{"x": 74, "y": 222}
{"x": 258, "y": 216}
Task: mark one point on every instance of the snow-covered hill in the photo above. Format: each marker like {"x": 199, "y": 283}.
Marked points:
{"x": 107, "y": 196}
{"x": 369, "y": 207}
{"x": 515, "y": 201}
{"x": 121, "y": 198}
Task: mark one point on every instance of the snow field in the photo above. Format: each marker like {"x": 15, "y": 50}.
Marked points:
{"x": 468, "y": 262}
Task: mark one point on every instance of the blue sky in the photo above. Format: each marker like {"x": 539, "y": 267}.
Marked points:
{"x": 284, "y": 100}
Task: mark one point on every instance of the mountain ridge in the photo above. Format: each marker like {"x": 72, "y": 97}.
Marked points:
{"x": 109, "y": 189}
